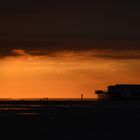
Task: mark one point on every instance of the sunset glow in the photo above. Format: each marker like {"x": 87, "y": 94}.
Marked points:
{"x": 63, "y": 74}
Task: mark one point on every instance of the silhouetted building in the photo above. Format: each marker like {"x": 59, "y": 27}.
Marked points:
{"x": 119, "y": 91}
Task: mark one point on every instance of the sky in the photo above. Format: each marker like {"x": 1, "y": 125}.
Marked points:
{"x": 62, "y": 49}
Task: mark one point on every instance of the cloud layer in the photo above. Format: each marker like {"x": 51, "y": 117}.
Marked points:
{"x": 101, "y": 49}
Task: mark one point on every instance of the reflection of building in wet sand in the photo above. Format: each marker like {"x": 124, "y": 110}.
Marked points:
{"x": 119, "y": 91}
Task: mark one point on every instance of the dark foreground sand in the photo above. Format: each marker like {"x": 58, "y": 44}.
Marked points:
{"x": 70, "y": 120}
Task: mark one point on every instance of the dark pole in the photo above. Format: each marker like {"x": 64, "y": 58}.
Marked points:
{"x": 82, "y": 96}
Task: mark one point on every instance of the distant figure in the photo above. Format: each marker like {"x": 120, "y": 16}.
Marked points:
{"x": 82, "y": 96}
{"x": 44, "y": 99}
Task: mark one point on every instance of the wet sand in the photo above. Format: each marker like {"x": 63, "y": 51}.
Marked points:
{"x": 70, "y": 119}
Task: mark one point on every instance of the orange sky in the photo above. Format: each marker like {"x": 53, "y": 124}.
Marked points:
{"x": 66, "y": 74}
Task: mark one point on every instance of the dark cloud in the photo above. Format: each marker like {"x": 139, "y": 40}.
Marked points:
{"x": 71, "y": 19}
{"x": 100, "y": 48}
{"x": 71, "y": 45}
{"x": 125, "y": 55}
{"x": 41, "y": 27}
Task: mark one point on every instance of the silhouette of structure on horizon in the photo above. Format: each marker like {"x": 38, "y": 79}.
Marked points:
{"x": 119, "y": 91}
{"x": 82, "y": 96}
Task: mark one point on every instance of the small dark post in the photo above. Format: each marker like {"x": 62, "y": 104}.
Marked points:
{"x": 82, "y": 96}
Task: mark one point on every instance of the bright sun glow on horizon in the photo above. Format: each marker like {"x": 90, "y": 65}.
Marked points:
{"x": 65, "y": 74}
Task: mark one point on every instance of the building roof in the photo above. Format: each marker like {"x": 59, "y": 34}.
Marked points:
{"x": 127, "y": 85}
{"x": 135, "y": 86}
{"x": 120, "y": 88}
